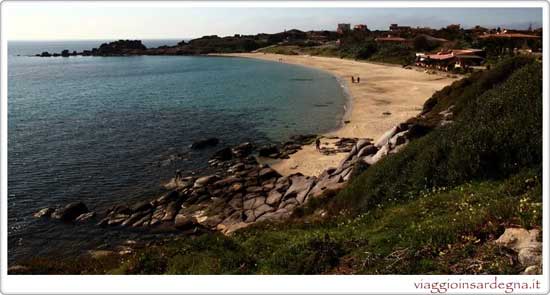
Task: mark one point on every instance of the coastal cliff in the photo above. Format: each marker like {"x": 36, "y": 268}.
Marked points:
{"x": 456, "y": 189}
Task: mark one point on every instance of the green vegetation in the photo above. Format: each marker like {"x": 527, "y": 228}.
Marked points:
{"x": 433, "y": 208}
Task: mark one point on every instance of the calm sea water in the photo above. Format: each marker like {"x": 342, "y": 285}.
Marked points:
{"x": 107, "y": 130}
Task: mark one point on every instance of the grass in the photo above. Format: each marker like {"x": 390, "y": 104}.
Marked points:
{"x": 444, "y": 230}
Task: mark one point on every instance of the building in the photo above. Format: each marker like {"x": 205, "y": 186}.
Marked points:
{"x": 395, "y": 28}
{"x": 343, "y": 28}
{"x": 451, "y": 59}
{"x": 360, "y": 27}
{"x": 508, "y": 35}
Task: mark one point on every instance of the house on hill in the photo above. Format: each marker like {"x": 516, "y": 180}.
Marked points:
{"x": 451, "y": 59}
{"x": 343, "y": 28}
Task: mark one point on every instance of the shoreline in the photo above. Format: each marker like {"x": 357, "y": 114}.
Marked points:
{"x": 386, "y": 96}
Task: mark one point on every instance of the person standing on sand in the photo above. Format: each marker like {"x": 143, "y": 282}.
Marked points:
{"x": 318, "y": 144}
{"x": 352, "y": 79}
{"x": 358, "y": 79}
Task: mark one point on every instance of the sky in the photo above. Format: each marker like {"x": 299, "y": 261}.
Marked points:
{"x": 77, "y": 21}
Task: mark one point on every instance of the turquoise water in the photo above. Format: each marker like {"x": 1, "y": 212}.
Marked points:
{"x": 106, "y": 130}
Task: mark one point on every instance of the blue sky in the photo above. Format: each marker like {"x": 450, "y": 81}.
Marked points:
{"x": 47, "y": 21}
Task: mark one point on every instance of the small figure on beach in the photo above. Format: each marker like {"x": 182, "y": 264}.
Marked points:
{"x": 352, "y": 79}
{"x": 318, "y": 144}
{"x": 358, "y": 79}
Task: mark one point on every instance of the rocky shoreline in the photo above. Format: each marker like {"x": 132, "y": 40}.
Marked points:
{"x": 241, "y": 191}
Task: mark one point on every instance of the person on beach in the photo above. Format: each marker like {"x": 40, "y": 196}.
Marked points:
{"x": 358, "y": 79}
{"x": 352, "y": 79}
{"x": 318, "y": 144}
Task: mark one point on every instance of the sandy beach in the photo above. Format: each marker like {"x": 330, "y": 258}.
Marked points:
{"x": 387, "y": 95}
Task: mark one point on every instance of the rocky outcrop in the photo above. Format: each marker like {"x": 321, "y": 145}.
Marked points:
{"x": 241, "y": 191}
{"x": 70, "y": 212}
{"x": 527, "y": 244}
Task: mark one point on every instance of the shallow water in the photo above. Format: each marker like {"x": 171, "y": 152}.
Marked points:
{"x": 107, "y": 130}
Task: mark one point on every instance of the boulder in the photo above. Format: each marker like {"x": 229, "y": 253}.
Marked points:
{"x": 143, "y": 221}
{"x": 203, "y": 181}
{"x": 243, "y": 149}
{"x": 268, "y": 151}
{"x": 171, "y": 211}
{"x": 204, "y": 143}
{"x": 299, "y": 188}
{"x": 133, "y": 218}
{"x": 267, "y": 173}
{"x": 367, "y": 150}
{"x": 227, "y": 181}
{"x": 85, "y": 217}
{"x": 44, "y": 213}
{"x": 184, "y": 222}
{"x": 224, "y": 154}
{"x": 70, "y": 212}
{"x": 262, "y": 209}
{"x": 384, "y": 139}
{"x": 525, "y": 242}
{"x": 373, "y": 159}
{"x": 141, "y": 206}
{"x": 274, "y": 197}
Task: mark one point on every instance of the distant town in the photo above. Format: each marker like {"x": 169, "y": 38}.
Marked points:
{"x": 451, "y": 48}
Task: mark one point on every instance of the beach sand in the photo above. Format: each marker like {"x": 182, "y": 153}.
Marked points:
{"x": 386, "y": 96}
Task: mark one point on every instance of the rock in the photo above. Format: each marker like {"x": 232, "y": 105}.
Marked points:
{"x": 141, "y": 206}
{"x": 373, "y": 159}
{"x": 211, "y": 221}
{"x": 18, "y": 269}
{"x": 85, "y": 217}
{"x": 268, "y": 151}
{"x": 118, "y": 219}
{"x": 525, "y": 243}
{"x": 253, "y": 203}
{"x": 184, "y": 222}
{"x": 367, "y": 150}
{"x": 299, "y": 188}
{"x": 384, "y": 139}
{"x": 267, "y": 173}
{"x": 171, "y": 211}
{"x": 236, "y": 187}
{"x": 143, "y": 221}
{"x": 44, "y": 213}
{"x": 398, "y": 139}
{"x": 274, "y": 197}
{"x": 100, "y": 253}
{"x": 45, "y": 54}
{"x": 227, "y": 181}
{"x": 530, "y": 256}
{"x": 262, "y": 209}
{"x": 132, "y": 219}
{"x": 203, "y": 181}
{"x": 332, "y": 183}
{"x": 532, "y": 270}
{"x": 243, "y": 150}
{"x": 204, "y": 143}
{"x": 170, "y": 196}
{"x": 254, "y": 189}
{"x": 224, "y": 154}
{"x": 65, "y": 53}
{"x": 235, "y": 168}
{"x": 70, "y": 212}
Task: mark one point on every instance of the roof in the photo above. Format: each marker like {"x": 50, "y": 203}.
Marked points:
{"x": 509, "y": 36}
{"x": 440, "y": 56}
{"x": 390, "y": 39}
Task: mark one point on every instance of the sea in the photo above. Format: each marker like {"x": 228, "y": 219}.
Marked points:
{"x": 112, "y": 130}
